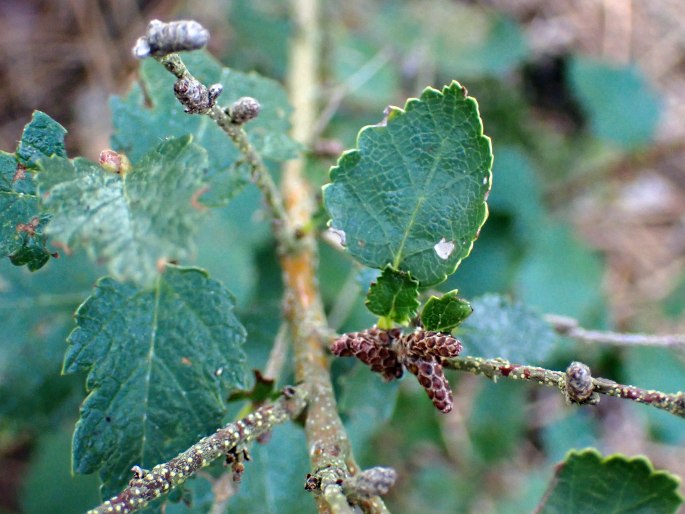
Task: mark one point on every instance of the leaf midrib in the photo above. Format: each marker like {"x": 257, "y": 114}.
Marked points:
{"x": 151, "y": 356}
{"x": 419, "y": 204}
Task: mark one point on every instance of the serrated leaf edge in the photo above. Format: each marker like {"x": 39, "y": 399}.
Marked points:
{"x": 393, "y": 112}
{"x": 643, "y": 459}
{"x": 387, "y": 320}
{"x": 453, "y": 294}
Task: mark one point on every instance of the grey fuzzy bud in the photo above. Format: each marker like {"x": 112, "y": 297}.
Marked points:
{"x": 244, "y": 109}
{"x": 165, "y": 38}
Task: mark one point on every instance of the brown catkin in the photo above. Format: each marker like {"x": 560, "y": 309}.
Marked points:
{"x": 374, "y": 348}
{"x": 432, "y": 378}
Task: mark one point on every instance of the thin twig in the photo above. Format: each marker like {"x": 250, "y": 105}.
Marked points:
{"x": 279, "y": 351}
{"x": 569, "y": 327}
{"x": 260, "y": 175}
{"x": 147, "y": 485}
{"x": 354, "y": 82}
{"x": 496, "y": 368}
{"x": 345, "y": 300}
{"x": 623, "y": 165}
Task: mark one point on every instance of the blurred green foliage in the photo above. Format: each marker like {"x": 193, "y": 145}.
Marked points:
{"x": 381, "y": 53}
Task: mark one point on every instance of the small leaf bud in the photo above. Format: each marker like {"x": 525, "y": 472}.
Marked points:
{"x": 114, "y": 162}
{"x": 579, "y": 386}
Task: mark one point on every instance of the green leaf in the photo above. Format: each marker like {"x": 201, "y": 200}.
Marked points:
{"x": 160, "y": 365}
{"x": 151, "y": 113}
{"x": 586, "y": 482}
{"x": 413, "y": 193}
{"x": 259, "y": 38}
{"x": 394, "y": 295}
{"x": 576, "y": 428}
{"x": 621, "y": 104}
{"x": 444, "y": 314}
{"x": 22, "y": 226}
{"x": 557, "y": 257}
{"x": 499, "y": 327}
{"x": 497, "y": 423}
{"x": 229, "y": 241}
{"x": 36, "y": 315}
{"x": 516, "y": 192}
{"x": 132, "y": 222}
{"x": 272, "y": 478}
{"x": 352, "y": 55}
{"x": 43, "y": 137}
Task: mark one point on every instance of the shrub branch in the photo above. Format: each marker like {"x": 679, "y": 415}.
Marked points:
{"x": 570, "y": 327}
{"x": 576, "y": 384}
{"x": 329, "y": 448}
{"x": 258, "y": 172}
{"x": 148, "y": 485}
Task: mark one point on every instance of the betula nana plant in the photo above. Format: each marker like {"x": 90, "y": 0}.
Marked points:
{"x": 160, "y": 342}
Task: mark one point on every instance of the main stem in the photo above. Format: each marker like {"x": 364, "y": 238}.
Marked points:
{"x": 327, "y": 442}
{"x": 329, "y": 448}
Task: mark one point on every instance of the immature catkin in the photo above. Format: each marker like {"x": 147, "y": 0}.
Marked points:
{"x": 373, "y": 348}
{"x": 165, "y": 38}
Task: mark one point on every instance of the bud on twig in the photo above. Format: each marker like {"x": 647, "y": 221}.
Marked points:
{"x": 235, "y": 458}
{"x": 195, "y": 97}
{"x": 114, "y": 162}
{"x": 579, "y": 386}
{"x": 244, "y": 109}
{"x": 165, "y": 38}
